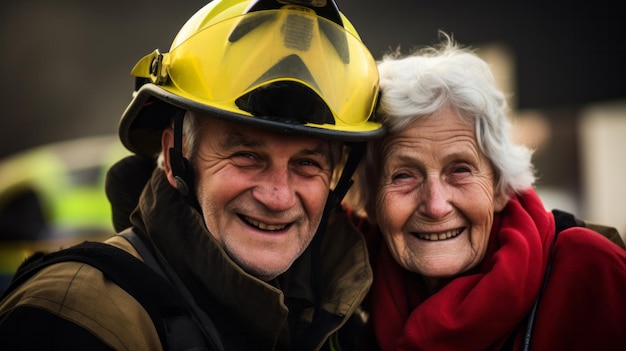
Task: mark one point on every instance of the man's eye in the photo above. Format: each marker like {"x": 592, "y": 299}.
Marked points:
{"x": 308, "y": 163}
{"x": 244, "y": 155}
{"x": 308, "y": 167}
{"x": 244, "y": 159}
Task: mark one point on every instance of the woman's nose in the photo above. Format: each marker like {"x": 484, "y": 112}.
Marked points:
{"x": 434, "y": 199}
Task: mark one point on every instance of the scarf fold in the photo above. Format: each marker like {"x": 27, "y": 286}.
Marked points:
{"x": 479, "y": 309}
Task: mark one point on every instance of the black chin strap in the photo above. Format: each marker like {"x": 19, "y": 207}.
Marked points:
{"x": 334, "y": 200}
{"x": 357, "y": 149}
{"x": 181, "y": 169}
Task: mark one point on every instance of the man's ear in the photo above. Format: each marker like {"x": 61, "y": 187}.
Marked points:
{"x": 167, "y": 142}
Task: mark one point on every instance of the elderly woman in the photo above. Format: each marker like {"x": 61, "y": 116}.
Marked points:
{"x": 465, "y": 242}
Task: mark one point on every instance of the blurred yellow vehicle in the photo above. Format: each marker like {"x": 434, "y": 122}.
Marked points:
{"x": 53, "y": 196}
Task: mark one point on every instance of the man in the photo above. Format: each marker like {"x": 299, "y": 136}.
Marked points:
{"x": 248, "y": 113}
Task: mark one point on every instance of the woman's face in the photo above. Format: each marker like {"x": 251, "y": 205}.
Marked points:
{"x": 436, "y": 197}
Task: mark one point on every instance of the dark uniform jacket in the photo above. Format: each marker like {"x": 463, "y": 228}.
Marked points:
{"x": 74, "y": 305}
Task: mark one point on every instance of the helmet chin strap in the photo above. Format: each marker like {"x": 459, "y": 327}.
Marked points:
{"x": 181, "y": 168}
{"x": 357, "y": 149}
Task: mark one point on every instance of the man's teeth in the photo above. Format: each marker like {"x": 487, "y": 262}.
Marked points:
{"x": 265, "y": 226}
{"x": 439, "y": 236}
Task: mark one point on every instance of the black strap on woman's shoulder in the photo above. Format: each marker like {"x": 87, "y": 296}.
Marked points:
{"x": 530, "y": 324}
{"x": 564, "y": 220}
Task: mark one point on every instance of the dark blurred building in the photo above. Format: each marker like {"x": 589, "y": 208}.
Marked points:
{"x": 65, "y": 64}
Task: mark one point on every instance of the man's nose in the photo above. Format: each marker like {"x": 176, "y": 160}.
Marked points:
{"x": 275, "y": 189}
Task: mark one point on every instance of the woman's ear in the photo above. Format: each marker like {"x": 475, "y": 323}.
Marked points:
{"x": 500, "y": 199}
{"x": 167, "y": 142}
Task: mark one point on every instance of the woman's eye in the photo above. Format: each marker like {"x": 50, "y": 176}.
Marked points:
{"x": 399, "y": 176}
{"x": 461, "y": 169}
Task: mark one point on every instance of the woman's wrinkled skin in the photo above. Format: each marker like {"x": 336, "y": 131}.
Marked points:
{"x": 436, "y": 198}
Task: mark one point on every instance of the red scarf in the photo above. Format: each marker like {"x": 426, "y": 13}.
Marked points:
{"x": 481, "y": 308}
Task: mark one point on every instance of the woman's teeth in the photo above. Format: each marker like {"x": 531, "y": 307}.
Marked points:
{"x": 439, "y": 236}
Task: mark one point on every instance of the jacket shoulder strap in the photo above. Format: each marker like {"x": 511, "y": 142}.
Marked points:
{"x": 154, "y": 292}
{"x": 183, "y": 333}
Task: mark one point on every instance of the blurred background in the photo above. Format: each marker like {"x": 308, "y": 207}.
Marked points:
{"x": 65, "y": 69}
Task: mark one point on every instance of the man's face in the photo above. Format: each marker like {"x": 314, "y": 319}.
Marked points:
{"x": 262, "y": 194}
